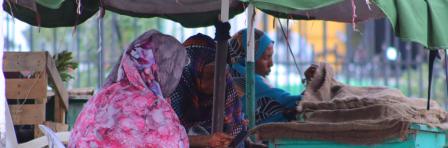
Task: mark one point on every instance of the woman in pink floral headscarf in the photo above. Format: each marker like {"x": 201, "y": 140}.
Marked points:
{"x": 131, "y": 110}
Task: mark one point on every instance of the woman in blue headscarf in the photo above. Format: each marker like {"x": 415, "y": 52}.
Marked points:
{"x": 272, "y": 104}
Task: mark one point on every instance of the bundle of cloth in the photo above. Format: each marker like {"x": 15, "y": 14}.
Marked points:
{"x": 333, "y": 111}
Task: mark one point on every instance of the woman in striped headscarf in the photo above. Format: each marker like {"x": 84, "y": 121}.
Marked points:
{"x": 193, "y": 98}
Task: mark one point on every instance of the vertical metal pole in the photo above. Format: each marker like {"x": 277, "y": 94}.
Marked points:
{"x": 386, "y": 45}
{"x": 100, "y": 53}
{"x": 89, "y": 73}
{"x": 288, "y": 56}
{"x": 219, "y": 89}
{"x": 420, "y": 70}
{"x": 409, "y": 67}
{"x": 397, "y": 63}
{"x": 31, "y": 39}
{"x": 349, "y": 57}
{"x": 78, "y": 58}
{"x": 371, "y": 50}
{"x": 55, "y": 40}
{"x": 250, "y": 67}
{"x": 324, "y": 40}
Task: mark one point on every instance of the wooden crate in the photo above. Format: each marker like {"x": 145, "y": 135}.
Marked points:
{"x": 27, "y": 75}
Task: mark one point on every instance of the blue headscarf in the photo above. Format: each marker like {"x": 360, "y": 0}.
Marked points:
{"x": 238, "y": 46}
{"x": 262, "y": 87}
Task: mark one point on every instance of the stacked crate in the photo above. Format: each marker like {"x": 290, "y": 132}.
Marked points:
{"x": 27, "y": 75}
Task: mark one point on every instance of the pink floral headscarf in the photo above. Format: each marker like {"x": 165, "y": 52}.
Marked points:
{"x": 130, "y": 110}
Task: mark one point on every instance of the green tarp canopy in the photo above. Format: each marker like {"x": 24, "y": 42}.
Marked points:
{"x": 420, "y": 21}
{"x": 63, "y": 13}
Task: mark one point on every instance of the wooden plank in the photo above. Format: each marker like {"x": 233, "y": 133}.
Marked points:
{"x": 26, "y": 88}
{"x": 56, "y": 78}
{"x": 21, "y": 61}
{"x": 56, "y": 127}
{"x": 27, "y": 114}
{"x": 81, "y": 91}
{"x": 59, "y": 110}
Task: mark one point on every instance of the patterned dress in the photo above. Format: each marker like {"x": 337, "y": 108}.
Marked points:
{"x": 131, "y": 111}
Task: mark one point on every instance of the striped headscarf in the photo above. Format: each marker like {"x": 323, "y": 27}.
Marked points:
{"x": 195, "y": 108}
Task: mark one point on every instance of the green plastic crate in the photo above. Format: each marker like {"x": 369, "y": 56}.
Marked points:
{"x": 75, "y": 108}
{"x": 424, "y": 137}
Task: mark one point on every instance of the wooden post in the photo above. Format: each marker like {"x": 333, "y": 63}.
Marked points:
{"x": 59, "y": 110}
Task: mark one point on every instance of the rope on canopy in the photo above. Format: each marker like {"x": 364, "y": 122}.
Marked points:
{"x": 289, "y": 48}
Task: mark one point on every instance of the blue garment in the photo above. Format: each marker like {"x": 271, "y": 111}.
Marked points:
{"x": 267, "y": 96}
{"x": 263, "y": 44}
{"x": 271, "y": 103}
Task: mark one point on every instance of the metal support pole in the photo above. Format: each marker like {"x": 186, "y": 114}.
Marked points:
{"x": 219, "y": 89}
{"x": 250, "y": 67}
{"x": 349, "y": 56}
{"x": 409, "y": 67}
{"x": 55, "y": 46}
{"x": 387, "y": 37}
{"x": 324, "y": 40}
{"x": 100, "y": 53}
{"x": 397, "y": 63}
{"x": 78, "y": 58}
{"x": 31, "y": 43}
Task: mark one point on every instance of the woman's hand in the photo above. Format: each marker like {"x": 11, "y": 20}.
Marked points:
{"x": 220, "y": 140}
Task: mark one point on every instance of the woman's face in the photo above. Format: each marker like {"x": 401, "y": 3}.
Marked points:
{"x": 264, "y": 64}
{"x": 204, "y": 81}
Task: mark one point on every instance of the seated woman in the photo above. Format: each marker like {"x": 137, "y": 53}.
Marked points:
{"x": 130, "y": 110}
{"x": 193, "y": 98}
{"x": 272, "y": 104}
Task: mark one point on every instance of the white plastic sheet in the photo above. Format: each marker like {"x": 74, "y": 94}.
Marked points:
{"x": 5, "y": 121}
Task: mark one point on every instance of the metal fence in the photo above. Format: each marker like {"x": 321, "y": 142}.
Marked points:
{"x": 372, "y": 56}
